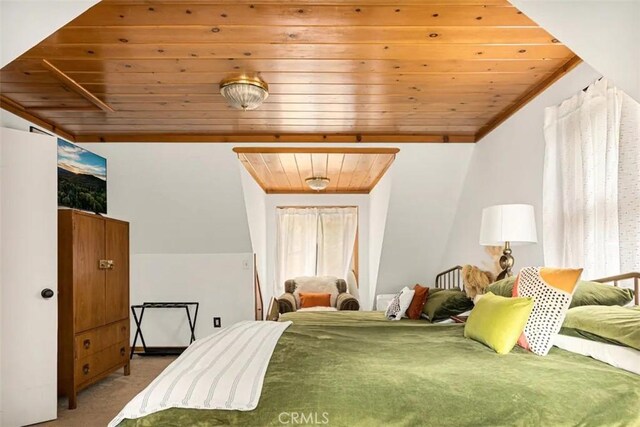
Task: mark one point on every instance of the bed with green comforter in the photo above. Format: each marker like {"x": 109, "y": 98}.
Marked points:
{"x": 358, "y": 369}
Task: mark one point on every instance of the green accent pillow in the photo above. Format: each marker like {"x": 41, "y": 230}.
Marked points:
{"x": 498, "y": 321}
{"x": 594, "y": 293}
{"x": 503, "y": 287}
{"x": 445, "y": 303}
{"x": 586, "y": 293}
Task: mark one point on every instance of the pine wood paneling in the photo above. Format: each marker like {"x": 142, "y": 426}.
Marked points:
{"x": 282, "y": 170}
{"x": 338, "y": 70}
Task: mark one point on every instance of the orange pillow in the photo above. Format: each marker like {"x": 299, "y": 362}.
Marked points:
{"x": 313, "y": 299}
{"x": 417, "y": 303}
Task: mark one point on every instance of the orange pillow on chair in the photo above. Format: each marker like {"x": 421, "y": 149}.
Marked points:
{"x": 417, "y": 303}
{"x": 314, "y": 299}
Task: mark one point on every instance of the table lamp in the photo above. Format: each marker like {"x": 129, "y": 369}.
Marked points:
{"x": 508, "y": 225}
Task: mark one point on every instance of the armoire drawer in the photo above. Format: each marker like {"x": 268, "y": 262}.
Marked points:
{"x": 101, "y": 361}
{"x": 90, "y": 342}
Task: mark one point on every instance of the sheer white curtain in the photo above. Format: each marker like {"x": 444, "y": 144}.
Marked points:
{"x": 314, "y": 242}
{"x": 629, "y": 186}
{"x": 580, "y": 201}
{"x": 297, "y": 230}
{"x": 336, "y": 240}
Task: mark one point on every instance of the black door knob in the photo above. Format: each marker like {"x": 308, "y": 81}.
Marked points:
{"x": 46, "y": 293}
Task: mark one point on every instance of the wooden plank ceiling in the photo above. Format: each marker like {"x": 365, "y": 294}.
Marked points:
{"x": 338, "y": 70}
{"x": 284, "y": 170}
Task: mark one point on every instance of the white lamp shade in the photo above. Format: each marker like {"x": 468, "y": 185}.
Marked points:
{"x": 515, "y": 224}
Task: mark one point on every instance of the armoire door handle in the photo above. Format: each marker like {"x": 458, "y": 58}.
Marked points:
{"x": 106, "y": 264}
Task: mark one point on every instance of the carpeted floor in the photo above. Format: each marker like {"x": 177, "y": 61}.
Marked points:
{"x": 99, "y": 403}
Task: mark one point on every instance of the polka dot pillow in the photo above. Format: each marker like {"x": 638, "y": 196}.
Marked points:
{"x": 552, "y": 289}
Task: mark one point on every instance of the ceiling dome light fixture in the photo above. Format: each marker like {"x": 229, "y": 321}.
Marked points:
{"x": 244, "y": 93}
{"x": 318, "y": 183}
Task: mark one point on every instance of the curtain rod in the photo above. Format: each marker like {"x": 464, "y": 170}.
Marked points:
{"x": 600, "y": 78}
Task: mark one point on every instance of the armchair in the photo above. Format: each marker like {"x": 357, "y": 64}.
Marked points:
{"x": 340, "y": 299}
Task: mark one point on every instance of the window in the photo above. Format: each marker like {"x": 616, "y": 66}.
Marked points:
{"x": 316, "y": 241}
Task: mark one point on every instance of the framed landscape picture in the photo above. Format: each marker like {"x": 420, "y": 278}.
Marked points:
{"x": 82, "y": 178}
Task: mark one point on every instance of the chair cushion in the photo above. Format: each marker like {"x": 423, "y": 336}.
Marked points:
{"x": 314, "y": 299}
{"x": 320, "y": 284}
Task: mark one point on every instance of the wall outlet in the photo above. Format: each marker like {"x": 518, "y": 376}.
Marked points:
{"x": 217, "y": 323}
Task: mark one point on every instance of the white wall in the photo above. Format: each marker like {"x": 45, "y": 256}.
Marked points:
{"x": 507, "y": 167}
{"x": 378, "y": 209}
{"x": 25, "y": 23}
{"x": 255, "y": 202}
{"x": 605, "y": 34}
{"x": 427, "y": 180}
{"x": 217, "y": 281}
{"x": 189, "y": 233}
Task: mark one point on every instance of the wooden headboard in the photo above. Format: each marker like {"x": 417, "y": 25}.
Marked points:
{"x": 635, "y": 276}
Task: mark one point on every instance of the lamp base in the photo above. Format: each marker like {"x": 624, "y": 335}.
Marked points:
{"x": 506, "y": 262}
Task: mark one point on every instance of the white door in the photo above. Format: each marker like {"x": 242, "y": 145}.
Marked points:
{"x": 28, "y": 265}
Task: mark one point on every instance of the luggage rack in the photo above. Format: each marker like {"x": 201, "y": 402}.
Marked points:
{"x": 162, "y": 351}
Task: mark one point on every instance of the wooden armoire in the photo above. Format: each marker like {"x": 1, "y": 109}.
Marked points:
{"x": 93, "y": 299}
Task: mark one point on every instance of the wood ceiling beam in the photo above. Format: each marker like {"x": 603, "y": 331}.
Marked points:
{"x": 316, "y": 150}
{"x": 74, "y": 86}
{"x": 18, "y": 110}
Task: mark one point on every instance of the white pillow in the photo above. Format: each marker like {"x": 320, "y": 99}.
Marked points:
{"x": 405, "y": 301}
{"x": 399, "y": 304}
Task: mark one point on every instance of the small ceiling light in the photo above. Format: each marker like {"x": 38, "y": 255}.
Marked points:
{"x": 318, "y": 183}
{"x": 244, "y": 93}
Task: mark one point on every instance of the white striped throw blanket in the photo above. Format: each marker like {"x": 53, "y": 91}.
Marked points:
{"x": 223, "y": 371}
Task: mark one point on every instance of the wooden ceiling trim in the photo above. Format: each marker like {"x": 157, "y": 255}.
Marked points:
{"x": 378, "y": 177}
{"x": 14, "y": 108}
{"x": 526, "y": 97}
{"x": 74, "y": 86}
{"x": 312, "y": 150}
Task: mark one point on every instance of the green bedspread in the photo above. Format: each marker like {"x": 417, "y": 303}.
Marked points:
{"x": 358, "y": 370}
{"x": 609, "y": 324}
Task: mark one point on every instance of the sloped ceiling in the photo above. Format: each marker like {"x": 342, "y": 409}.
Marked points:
{"x": 605, "y": 34}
